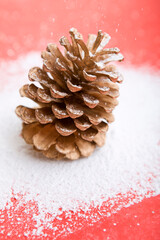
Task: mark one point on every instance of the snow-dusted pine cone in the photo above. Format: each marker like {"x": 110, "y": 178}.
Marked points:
{"x": 76, "y": 96}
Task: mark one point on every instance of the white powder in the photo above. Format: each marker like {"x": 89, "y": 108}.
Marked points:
{"x": 125, "y": 164}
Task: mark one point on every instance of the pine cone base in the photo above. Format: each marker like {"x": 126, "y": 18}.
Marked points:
{"x": 76, "y": 95}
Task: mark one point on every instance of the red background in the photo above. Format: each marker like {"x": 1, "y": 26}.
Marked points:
{"x": 28, "y": 25}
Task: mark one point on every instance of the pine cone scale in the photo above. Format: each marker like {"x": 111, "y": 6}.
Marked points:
{"x": 29, "y": 130}
{"x": 74, "y": 110}
{"x": 46, "y": 137}
{"x": 82, "y": 123}
{"x": 86, "y": 148}
{"x": 65, "y": 127}
{"x": 65, "y": 145}
{"x": 73, "y": 87}
{"x": 59, "y": 110}
{"x": 44, "y": 115}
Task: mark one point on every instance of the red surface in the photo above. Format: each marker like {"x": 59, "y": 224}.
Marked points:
{"x": 134, "y": 26}
{"x": 31, "y": 24}
{"x": 137, "y": 222}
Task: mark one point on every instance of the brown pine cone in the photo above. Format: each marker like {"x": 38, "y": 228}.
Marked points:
{"x": 76, "y": 96}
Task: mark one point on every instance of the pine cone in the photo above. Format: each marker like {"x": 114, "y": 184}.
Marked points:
{"x": 76, "y": 96}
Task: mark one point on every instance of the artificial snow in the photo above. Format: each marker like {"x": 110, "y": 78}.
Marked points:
{"x": 129, "y": 161}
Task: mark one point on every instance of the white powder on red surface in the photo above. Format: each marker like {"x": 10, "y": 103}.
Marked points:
{"x": 129, "y": 162}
